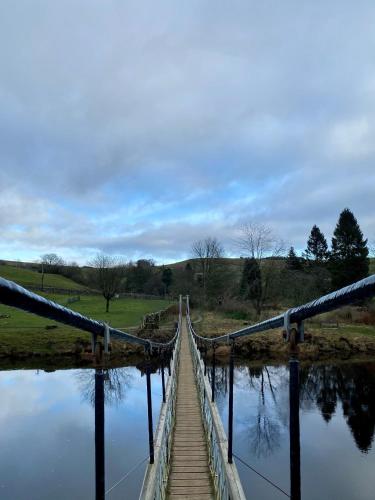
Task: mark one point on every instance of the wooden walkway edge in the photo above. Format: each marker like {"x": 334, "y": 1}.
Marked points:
{"x": 190, "y": 476}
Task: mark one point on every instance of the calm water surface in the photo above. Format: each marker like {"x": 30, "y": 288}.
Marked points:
{"x": 337, "y": 417}
{"x": 47, "y": 446}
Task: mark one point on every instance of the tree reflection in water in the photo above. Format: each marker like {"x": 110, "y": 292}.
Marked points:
{"x": 329, "y": 386}
{"x": 353, "y": 385}
{"x": 266, "y": 425}
{"x": 116, "y": 383}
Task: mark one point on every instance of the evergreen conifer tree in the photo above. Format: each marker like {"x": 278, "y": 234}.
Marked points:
{"x": 317, "y": 248}
{"x": 251, "y": 282}
{"x": 293, "y": 263}
{"x": 349, "y": 255}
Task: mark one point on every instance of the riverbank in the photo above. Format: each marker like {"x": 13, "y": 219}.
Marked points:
{"x": 322, "y": 340}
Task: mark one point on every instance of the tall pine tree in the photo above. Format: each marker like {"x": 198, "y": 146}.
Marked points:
{"x": 251, "y": 282}
{"x": 349, "y": 255}
{"x": 317, "y": 248}
{"x": 293, "y": 263}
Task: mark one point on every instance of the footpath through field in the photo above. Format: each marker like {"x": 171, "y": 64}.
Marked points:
{"x": 190, "y": 476}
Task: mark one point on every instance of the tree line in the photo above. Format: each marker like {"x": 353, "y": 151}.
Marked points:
{"x": 270, "y": 276}
{"x": 266, "y": 274}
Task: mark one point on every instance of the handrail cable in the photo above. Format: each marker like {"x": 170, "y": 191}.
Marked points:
{"x": 15, "y": 295}
{"x": 127, "y": 475}
{"x": 261, "y": 475}
{"x": 357, "y": 291}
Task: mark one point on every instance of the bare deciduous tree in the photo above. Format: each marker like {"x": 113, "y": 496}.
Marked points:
{"x": 207, "y": 252}
{"x": 50, "y": 263}
{"x": 259, "y": 242}
{"x": 108, "y": 273}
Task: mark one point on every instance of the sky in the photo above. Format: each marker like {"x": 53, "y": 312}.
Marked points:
{"x": 135, "y": 128}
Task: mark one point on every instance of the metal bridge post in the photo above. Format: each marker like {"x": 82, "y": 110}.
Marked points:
{"x": 149, "y": 413}
{"x": 93, "y": 342}
{"x": 162, "y": 376}
{"x": 99, "y": 436}
{"x": 295, "y": 466}
{"x": 230, "y": 409}
{"x": 205, "y": 360}
{"x": 106, "y": 338}
{"x": 294, "y": 428}
{"x": 213, "y": 372}
{"x": 169, "y": 364}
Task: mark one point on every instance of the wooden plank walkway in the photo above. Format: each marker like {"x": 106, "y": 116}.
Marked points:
{"x": 190, "y": 477}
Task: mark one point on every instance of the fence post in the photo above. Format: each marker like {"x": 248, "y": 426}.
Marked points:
{"x": 230, "y": 409}
{"x": 99, "y": 436}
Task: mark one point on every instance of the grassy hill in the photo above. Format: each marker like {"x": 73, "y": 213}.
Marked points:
{"x": 28, "y": 277}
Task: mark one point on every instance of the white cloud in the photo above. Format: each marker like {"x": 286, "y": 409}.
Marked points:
{"x": 121, "y": 120}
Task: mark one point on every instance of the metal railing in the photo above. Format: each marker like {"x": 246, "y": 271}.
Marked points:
{"x": 156, "y": 477}
{"x": 225, "y": 476}
{"x": 357, "y": 291}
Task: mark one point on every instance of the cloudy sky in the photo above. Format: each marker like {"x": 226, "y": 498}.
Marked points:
{"x": 137, "y": 127}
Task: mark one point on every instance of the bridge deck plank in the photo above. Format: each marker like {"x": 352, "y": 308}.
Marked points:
{"x": 190, "y": 475}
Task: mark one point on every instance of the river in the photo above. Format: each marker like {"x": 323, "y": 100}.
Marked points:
{"x": 47, "y": 445}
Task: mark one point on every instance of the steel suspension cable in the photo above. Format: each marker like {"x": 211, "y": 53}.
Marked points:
{"x": 261, "y": 475}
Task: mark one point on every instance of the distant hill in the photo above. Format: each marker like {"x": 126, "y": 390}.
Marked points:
{"x": 26, "y": 274}
{"x": 27, "y": 277}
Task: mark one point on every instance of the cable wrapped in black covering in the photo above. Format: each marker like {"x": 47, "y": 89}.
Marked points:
{"x": 15, "y": 295}
{"x": 357, "y": 291}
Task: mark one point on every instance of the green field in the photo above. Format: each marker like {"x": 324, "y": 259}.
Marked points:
{"x": 27, "y": 277}
{"x": 25, "y": 332}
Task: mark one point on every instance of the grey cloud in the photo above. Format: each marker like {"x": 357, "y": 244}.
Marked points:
{"x": 121, "y": 107}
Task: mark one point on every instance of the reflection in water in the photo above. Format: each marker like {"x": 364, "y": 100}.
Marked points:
{"x": 116, "y": 383}
{"x": 325, "y": 386}
{"x": 351, "y": 385}
{"x": 100, "y": 387}
{"x": 52, "y": 444}
{"x": 333, "y": 398}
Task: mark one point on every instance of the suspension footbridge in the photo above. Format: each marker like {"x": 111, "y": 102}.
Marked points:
{"x": 190, "y": 455}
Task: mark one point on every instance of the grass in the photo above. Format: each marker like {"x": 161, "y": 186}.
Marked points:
{"x": 372, "y": 265}
{"x": 25, "y": 332}
{"x": 27, "y": 277}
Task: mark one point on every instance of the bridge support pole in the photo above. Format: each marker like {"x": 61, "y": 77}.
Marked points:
{"x": 106, "y": 338}
{"x": 162, "y": 377}
{"x": 213, "y": 372}
{"x": 230, "y": 409}
{"x": 99, "y": 436}
{"x": 294, "y": 427}
{"x": 149, "y": 414}
{"x": 93, "y": 342}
